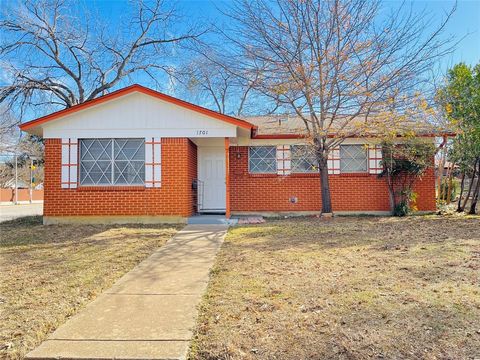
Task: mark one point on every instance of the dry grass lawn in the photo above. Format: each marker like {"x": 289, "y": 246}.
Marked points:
{"x": 345, "y": 288}
{"x": 49, "y": 272}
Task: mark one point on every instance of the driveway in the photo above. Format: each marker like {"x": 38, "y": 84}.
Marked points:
{"x": 10, "y": 212}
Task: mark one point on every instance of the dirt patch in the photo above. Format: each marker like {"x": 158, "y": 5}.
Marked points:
{"x": 49, "y": 272}
{"x": 345, "y": 288}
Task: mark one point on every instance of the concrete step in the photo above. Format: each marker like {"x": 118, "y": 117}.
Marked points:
{"x": 211, "y": 220}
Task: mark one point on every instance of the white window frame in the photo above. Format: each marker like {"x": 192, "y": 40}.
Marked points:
{"x": 112, "y": 158}
{"x": 353, "y": 159}
{"x": 304, "y": 157}
{"x": 252, "y": 171}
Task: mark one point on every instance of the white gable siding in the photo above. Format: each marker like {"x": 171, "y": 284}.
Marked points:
{"x": 137, "y": 115}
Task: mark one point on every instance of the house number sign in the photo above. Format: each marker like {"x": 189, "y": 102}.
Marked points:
{"x": 201, "y": 132}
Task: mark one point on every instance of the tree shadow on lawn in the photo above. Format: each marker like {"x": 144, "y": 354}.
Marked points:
{"x": 379, "y": 233}
{"x": 25, "y": 238}
{"x": 347, "y": 288}
{"x": 321, "y": 326}
{"x": 416, "y": 248}
{"x": 418, "y": 331}
{"x": 31, "y": 231}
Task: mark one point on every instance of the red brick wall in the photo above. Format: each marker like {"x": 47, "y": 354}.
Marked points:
{"x": 362, "y": 192}
{"x": 425, "y": 188}
{"x": 175, "y": 197}
{"x": 249, "y": 192}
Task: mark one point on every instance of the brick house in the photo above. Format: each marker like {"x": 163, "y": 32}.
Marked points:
{"x": 137, "y": 155}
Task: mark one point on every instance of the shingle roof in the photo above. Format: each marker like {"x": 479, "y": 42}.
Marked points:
{"x": 284, "y": 124}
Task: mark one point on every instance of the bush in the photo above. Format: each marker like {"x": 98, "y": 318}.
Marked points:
{"x": 401, "y": 209}
{"x": 403, "y": 163}
{"x": 407, "y": 205}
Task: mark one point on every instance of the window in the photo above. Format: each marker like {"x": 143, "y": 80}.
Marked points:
{"x": 353, "y": 158}
{"x": 262, "y": 159}
{"x": 112, "y": 161}
{"x": 303, "y": 159}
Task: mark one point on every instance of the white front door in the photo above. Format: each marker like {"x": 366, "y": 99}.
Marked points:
{"x": 211, "y": 173}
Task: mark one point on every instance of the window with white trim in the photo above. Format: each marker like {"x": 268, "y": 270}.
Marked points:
{"x": 303, "y": 159}
{"x": 353, "y": 158}
{"x": 112, "y": 161}
{"x": 262, "y": 159}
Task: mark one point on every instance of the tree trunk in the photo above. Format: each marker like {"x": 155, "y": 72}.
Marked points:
{"x": 475, "y": 199}
{"x": 450, "y": 184}
{"x": 462, "y": 187}
{"x": 391, "y": 193}
{"x": 476, "y": 192}
{"x": 325, "y": 187}
{"x": 441, "y": 166}
{"x": 470, "y": 187}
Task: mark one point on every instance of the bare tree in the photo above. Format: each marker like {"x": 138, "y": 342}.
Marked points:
{"x": 339, "y": 65}
{"x": 52, "y": 56}
{"x": 214, "y": 80}
{"x": 24, "y": 148}
{"x": 9, "y": 134}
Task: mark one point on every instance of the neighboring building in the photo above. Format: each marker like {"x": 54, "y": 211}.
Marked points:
{"x": 139, "y": 155}
{"x": 10, "y": 184}
{"x": 447, "y": 168}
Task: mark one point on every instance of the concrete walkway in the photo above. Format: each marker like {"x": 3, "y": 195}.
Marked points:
{"x": 150, "y": 312}
{"x": 10, "y": 212}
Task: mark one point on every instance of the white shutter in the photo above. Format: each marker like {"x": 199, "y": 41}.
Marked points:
{"x": 374, "y": 159}
{"x": 153, "y": 162}
{"x": 284, "y": 160}
{"x": 69, "y": 163}
{"x": 333, "y": 161}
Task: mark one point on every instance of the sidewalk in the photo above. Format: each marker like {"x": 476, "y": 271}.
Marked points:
{"x": 10, "y": 212}
{"x": 150, "y": 312}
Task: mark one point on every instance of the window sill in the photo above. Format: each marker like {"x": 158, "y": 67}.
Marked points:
{"x": 112, "y": 188}
{"x": 360, "y": 174}
{"x": 302, "y": 175}
{"x": 263, "y": 175}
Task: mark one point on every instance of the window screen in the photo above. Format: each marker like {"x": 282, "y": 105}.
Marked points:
{"x": 303, "y": 159}
{"x": 262, "y": 159}
{"x": 112, "y": 161}
{"x": 353, "y": 158}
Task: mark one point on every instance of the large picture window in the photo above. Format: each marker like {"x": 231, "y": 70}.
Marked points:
{"x": 262, "y": 159}
{"x": 112, "y": 161}
{"x": 353, "y": 158}
{"x": 303, "y": 159}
